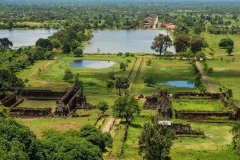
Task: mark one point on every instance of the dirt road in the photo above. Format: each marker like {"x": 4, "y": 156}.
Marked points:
{"x": 205, "y": 78}
{"x": 155, "y": 23}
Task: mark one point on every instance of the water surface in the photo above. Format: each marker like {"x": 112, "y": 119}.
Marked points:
{"x": 92, "y": 64}
{"x": 114, "y": 41}
{"x": 185, "y": 84}
{"x": 28, "y": 37}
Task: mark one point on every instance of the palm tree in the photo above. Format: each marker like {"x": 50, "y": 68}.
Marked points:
{"x": 5, "y": 43}
{"x": 161, "y": 43}
{"x": 122, "y": 82}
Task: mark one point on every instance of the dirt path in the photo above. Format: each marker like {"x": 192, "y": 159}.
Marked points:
{"x": 135, "y": 68}
{"x": 205, "y": 78}
{"x": 155, "y": 23}
{"x": 44, "y": 66}
{"x": 115, "y": 127}
{"x": 107, "y": 127}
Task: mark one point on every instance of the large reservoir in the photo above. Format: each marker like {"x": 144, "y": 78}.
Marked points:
{"x": 21, "y": 37}
{"x": 114, "y": 41}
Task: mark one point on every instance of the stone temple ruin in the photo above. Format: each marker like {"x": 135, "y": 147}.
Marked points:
{"x": 66, "y": 102}
{"x": 161, "y": 103}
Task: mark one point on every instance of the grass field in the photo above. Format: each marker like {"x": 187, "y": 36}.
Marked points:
{"x": 38, "y": 125}
{"x": 198, "y": 105}
{"x": 163, "y": 71}
{"x": 226, "y": 74}
{"x": 38, "y": 104}
{"x": 217, "y": 143}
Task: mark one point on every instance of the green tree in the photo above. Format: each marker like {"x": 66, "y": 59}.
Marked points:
{"x": 5, "y": 43}
{"x": 196, "y": 45}
{"x": 126, "y": 107}
{"x": 122, "y": 83}
{"x": 66, "y": 48}
{"x": 155, "y": 140}
{"x": 123, "y": 66}
{"x": 75, "y": 44}
{"x": 44, "y": 43}
{"x": 161, "y": 43}
{"x": 149, "y": 62}
{"x": 56, "y": 43}
{"x": 95, "y": 136}
{"x": 110, "y": 84}
{"x": 89, "y": 35}
{"x": 182, "y": 42}
{"x": 76, "y": 77}
{"x": 8, "y": 80}
{"x": 209, "y": 71}
{"x": 236, "y": 137}
{"x": 225, "y": 42}
{"x": 18, "y": 142}
{"x": 149, "y": 80}
{"x": 69, "y": 145}
{"x": 229, "y": 50}
{"x": 4, "y": 111}
{"x": 78, "y": 52}
{"x": 103, "y": 106}
{"x": 68, "y": 75}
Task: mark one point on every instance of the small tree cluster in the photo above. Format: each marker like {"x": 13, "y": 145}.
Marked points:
{"x": 228, "y": 44}
{"x": 149, "y": 80}
{"x": 126, "y": 107}
{"x": 68, "y": 76}
{"x": 155, "y": 140}
{"x": 236, "y": 137}
{"x": 123, "y": 66}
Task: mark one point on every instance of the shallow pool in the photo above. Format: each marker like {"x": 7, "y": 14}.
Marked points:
{"x": 92, "y": 64}
{"x": 185, "y": 84}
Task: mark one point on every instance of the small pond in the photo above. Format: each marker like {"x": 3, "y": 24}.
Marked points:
{"x": 92, "y": 64}
{"x": 185, "y": 84}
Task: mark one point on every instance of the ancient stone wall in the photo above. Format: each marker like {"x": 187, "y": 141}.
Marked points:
{"x": 197, "y": 95}
{"x": 10, "y": 100}
{"x": 202, "y": 115}
{"x": 41, "y": 94}
{"x": 29, "y": 112}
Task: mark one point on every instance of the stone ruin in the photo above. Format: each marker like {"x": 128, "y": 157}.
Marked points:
{"x": 181, "y": 129}
{"x": 161, "y": 103}
{"x": 233, "y": 114}
{"x": 66, "y": 102}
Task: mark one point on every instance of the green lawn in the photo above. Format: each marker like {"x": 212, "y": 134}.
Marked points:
{"x": 198, "y": 105}
{"x": 38, "y": 125}
{"x": 163, "y": 71}
{"x": 226, "y": 73}
{"x": 38, "y": 104}
{"x": 216, "y": 144}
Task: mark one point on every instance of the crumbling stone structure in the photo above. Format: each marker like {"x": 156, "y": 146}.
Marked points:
{"x": 71, "y": 101}
{"x": 202, "y": 115}
{"x": 181, "y": 129}
{"x": 161, "y": 103}
{"x": 41, "y": 94}
{"x": 24, "y": 112}
{"x": 197, "y": 95}
{"x": 185, "y": 129}
{"x": 67, "y": 102}
{"x": 10, "y": 100}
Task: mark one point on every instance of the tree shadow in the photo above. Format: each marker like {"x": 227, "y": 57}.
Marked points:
{"x": 135, "y": 125}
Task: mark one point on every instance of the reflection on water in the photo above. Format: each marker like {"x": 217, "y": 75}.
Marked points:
{"x": 28, "y": 37}
{"x": 114, "y": 41}
{"x": 185, "y": 84}
{"x": 92, "y": 64}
